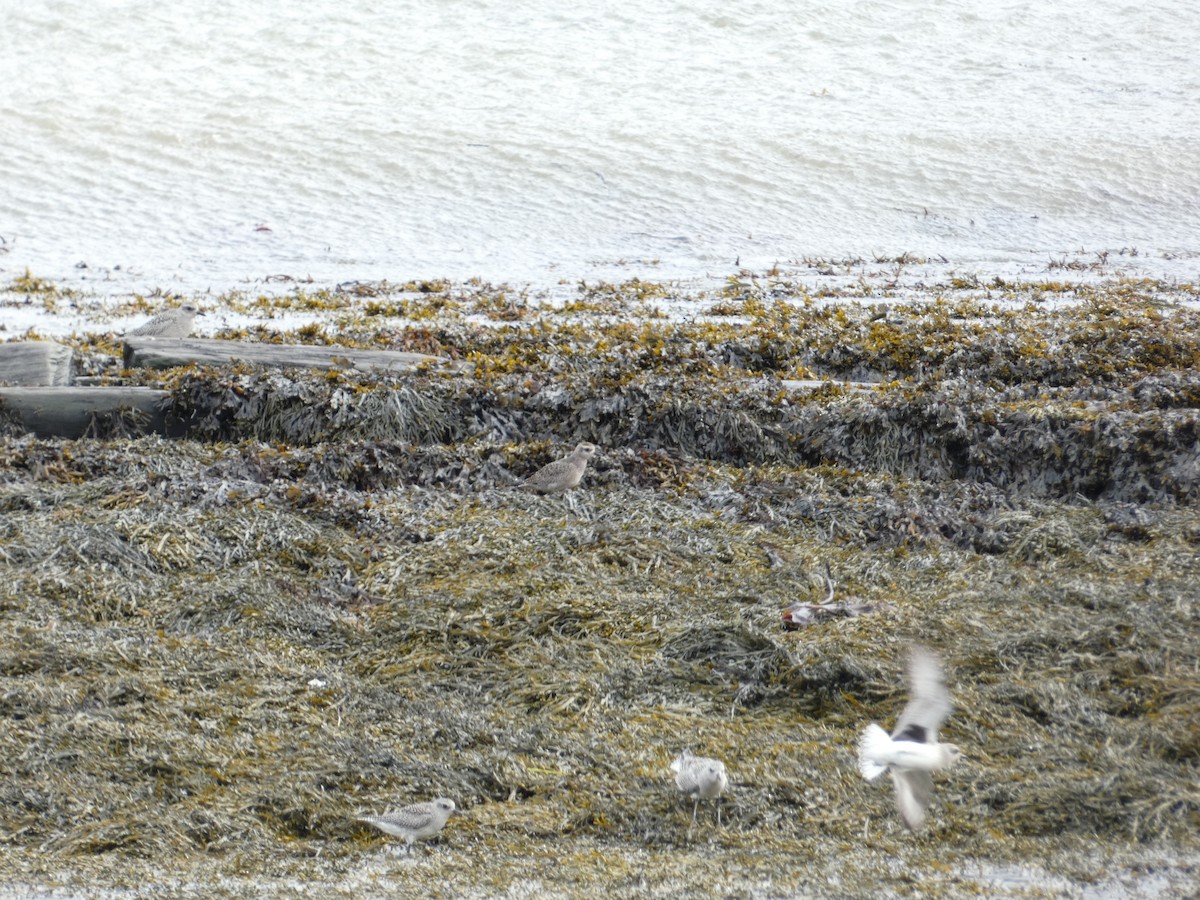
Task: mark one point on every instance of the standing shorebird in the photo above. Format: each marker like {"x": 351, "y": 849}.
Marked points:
{"x": 562, "y": 474}
{"x": 700, "y": 778}
{"x": 170, "y": 323}
{"x": 912, "y": 754}
{"x": 413, "y": 823}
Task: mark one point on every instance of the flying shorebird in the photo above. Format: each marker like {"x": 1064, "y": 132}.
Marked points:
{"x": 912, "y": 754}
{"x": 562, "y": 474}
{"x": 700, "y": 778}
{"x": 170, "y": 323}
{"x": 413, "y": 823}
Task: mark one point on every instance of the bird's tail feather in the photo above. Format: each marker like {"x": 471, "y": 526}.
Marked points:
{"x": 873, "y": 746}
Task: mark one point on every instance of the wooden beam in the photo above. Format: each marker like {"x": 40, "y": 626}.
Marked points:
{"x": 73, "y": 412}
{"x": 35, "y": 362}
{"x": 155, "y": 353}
{"x": 812, "y": 385}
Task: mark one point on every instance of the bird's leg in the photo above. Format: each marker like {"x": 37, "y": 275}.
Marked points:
{"x": 718, "y": 802}
{"x": 695, "y": 806}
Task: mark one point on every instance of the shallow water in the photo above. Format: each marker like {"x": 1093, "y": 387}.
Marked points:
{"x": 420, "y": 139}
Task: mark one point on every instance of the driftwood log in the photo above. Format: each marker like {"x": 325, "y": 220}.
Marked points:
{"x": 808, "y": 384}
{"x": 35, "y": 363}
{"x": 42, "y": 402}
{"x": 49, "y": 408}
{"x": 156, "y": 353}
{"x": 74, "y": 412}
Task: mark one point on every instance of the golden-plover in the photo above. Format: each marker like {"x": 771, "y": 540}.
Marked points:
{"x": 418, "y": 822}
{"x": 562, "y": 474}
{"x": 170, "y": 323}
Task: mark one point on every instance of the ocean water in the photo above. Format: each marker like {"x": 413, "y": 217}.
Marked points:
{"x": 195, "y": 145}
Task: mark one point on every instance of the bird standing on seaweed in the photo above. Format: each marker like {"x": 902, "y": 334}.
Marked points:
{"x": 701, "y": 778}
{"x": 417, "y": 822}
{"x": 562, "y": 474}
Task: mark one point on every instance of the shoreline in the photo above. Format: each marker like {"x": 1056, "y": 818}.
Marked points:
{"x": 326, "y": 599}
{"x": 32, "y": 302}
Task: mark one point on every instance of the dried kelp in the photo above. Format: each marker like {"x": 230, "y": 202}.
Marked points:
{"x": 329, "y": 599}
{"x": 1134, "y": 443}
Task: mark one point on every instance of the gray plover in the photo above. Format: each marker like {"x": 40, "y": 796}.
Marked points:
{"x": 413, "y": 823}
{"x": 170, "y": 323}
{"x": 912, "y": 754}
{"x": 701, "y": 778}
{"x": 562, "y": 474}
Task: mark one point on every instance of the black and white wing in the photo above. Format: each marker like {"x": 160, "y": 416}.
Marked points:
{"x": 928, "y": 703}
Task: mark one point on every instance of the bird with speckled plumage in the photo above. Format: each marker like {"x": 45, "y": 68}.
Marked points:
{"x": 417, "y": 822}
{"x": 562, "y": 474}
{"x": 170, "y": 323}
{"x": 700, "y": 778}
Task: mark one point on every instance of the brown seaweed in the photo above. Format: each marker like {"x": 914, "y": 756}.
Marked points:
{"x": 328, "y": 599}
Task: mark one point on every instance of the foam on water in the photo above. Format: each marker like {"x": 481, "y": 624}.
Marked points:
{"x": 533, "y": 141}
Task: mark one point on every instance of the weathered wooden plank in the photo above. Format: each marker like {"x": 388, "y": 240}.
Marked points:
{"x": 71, "y": 412}
{"x": 812, "y": 385}
{"x": 35, "y": 363}
{"x": 157, "y": 353}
